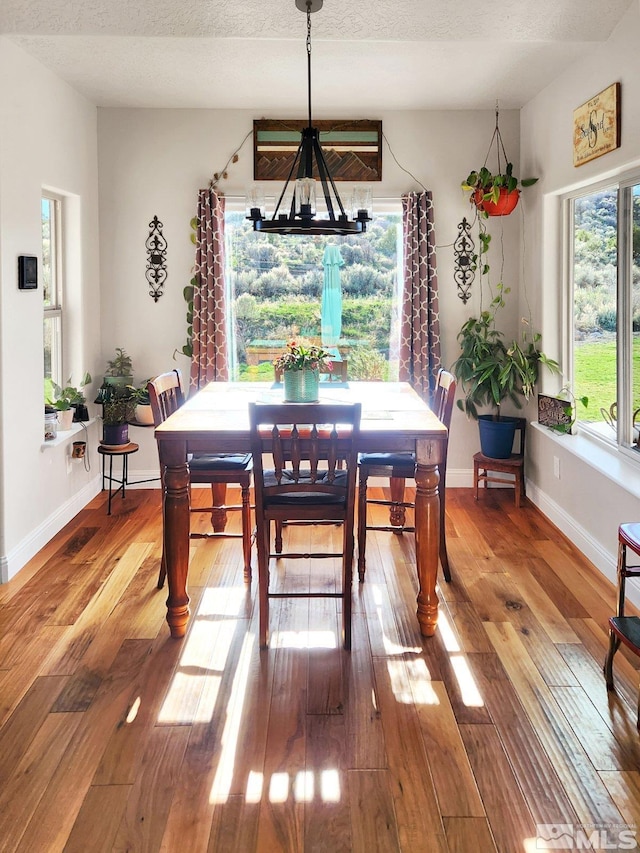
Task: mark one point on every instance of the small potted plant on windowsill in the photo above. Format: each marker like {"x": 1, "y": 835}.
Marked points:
{"x": 70, "y": 402}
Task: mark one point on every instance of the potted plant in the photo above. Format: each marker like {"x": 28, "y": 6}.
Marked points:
{"x": 144, "y": 414}
{"x": 491, "y": 371}
{"x": 300, "y": 365}
{"x": 119, "y": 369}
{"x": 70, "y": 402}
{"x": 118, "y": 408}
{"x": 495, "y": 194}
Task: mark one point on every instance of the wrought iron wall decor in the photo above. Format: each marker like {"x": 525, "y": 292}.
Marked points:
{"x": 156, "y": 271}
{"x": 465, "y": 266}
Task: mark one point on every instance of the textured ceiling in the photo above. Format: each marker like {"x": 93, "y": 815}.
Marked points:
{"x": 367, "y": 54}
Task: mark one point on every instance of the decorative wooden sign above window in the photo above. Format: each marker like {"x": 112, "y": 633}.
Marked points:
{"x": 353, "y": 149}
{"x": 596, "y": 126}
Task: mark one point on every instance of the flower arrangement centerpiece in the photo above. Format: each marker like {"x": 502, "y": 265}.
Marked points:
{"x": 300, "y": 365}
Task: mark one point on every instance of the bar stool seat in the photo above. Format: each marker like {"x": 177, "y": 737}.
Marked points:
{"x": 624, "y": 629}
{"x": 110, "y": 451}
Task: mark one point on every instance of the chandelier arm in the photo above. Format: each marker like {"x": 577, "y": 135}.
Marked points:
{"x": 286, "y": 183}
{"x": 323, "y": 171}
{"x": 320, "y": 158}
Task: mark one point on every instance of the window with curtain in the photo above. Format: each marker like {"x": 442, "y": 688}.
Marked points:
{"x": 604, "y": 267}
{"x": 275, "y": 292}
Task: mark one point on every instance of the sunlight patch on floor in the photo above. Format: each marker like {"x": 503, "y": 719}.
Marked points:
{"x": 390, "y": 647}
{"x": 411, "y": 682}
{"x": 193, "y": 692}
{"x": 468, "y": 688}
{"x": 133, "y": 710}
{"x": 279, "y": 788}
{"x": 303, "y": 640}
{"x": 229, "y": 740}
{"x": 255, "y": 784}
{"x": 303, "y": 786}
{"x": 449, "y": 639}
{"x": 330, "y": 786}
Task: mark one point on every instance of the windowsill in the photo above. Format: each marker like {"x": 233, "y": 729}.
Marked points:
{"x": 599, "y": 455}
{"x": 63, "y": 436}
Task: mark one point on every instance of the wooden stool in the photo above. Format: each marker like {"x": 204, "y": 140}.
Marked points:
{"x": 111, "y": 450}
{"x": 485, "y": 467}
{"x": 624, "y": 629}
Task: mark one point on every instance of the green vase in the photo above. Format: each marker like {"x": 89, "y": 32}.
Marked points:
{"x": 301, "y": 386}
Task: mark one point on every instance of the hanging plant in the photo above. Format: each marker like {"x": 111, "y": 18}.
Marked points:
{"x": 188, "y": 293}
{"x": 495, "y": 193}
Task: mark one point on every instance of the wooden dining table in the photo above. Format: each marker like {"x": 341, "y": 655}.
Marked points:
{"x": 216, "y": 420}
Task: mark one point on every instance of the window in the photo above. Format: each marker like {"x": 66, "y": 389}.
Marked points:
{"x": 605, "y": 277}
{"x": 275, "y": 292}
{"x": 52, "y": 287}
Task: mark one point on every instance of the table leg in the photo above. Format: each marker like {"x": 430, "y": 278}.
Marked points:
{"x": 427, "y": 533}
{"x": 173, "y": 455}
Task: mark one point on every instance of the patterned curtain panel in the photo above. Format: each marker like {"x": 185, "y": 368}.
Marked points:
{"x": 209, "y": 360}
{"x": 420, "y": 323}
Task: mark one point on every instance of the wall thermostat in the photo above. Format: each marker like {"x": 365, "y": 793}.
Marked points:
{"x": 27, "y": 272}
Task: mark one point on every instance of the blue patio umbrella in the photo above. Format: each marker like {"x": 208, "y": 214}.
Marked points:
{"x": 331, "y": 313}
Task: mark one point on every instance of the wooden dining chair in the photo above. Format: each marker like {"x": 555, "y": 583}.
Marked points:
{"x": 166, "y": 394}
{"x": 624, "y": 629}
{"x": 399, "y": 467}
{"x": 304, "y": 443}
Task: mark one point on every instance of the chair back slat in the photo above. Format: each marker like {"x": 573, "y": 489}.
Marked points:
{"x": 444, "y": 397}
{"x": 166, "y": 395}
{"x": 304, "y": 443}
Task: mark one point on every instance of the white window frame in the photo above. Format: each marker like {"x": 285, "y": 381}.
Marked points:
{"x": 54, "y": 311}
{"x": 623, "y": 183}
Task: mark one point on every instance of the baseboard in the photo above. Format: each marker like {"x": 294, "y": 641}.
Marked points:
{"x": 602, "y": 559}
{"x": 11, "y": 563}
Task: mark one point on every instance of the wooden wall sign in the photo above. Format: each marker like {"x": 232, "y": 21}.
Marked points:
{"x": 353, "y": 149}
{"x": 596, "y": 126}
{"x": 554, "y": 412}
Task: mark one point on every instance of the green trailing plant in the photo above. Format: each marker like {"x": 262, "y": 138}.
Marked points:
{"x": 188, "y": 294}
{"x": 491, "y": 370}
{"x": 570, "y": 410}
{"x": 64, "y": 398}
{"x": 485, "y": 186}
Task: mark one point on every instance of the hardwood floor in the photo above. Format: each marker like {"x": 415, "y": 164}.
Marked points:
{"x": 114, "y": 737}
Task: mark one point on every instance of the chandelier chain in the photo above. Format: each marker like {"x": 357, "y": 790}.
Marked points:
{"x": 309, "y": 57}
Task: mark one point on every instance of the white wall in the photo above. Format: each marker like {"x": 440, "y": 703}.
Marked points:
{"x": 47, "y": 139}
{"x": 584, "y": 502}
{"x": 152, "y": 162}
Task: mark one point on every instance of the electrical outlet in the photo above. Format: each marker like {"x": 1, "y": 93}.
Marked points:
{"x": 556, "y": 467}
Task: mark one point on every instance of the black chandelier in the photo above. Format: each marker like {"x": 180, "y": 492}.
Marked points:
{"x": 298, "y": 214}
